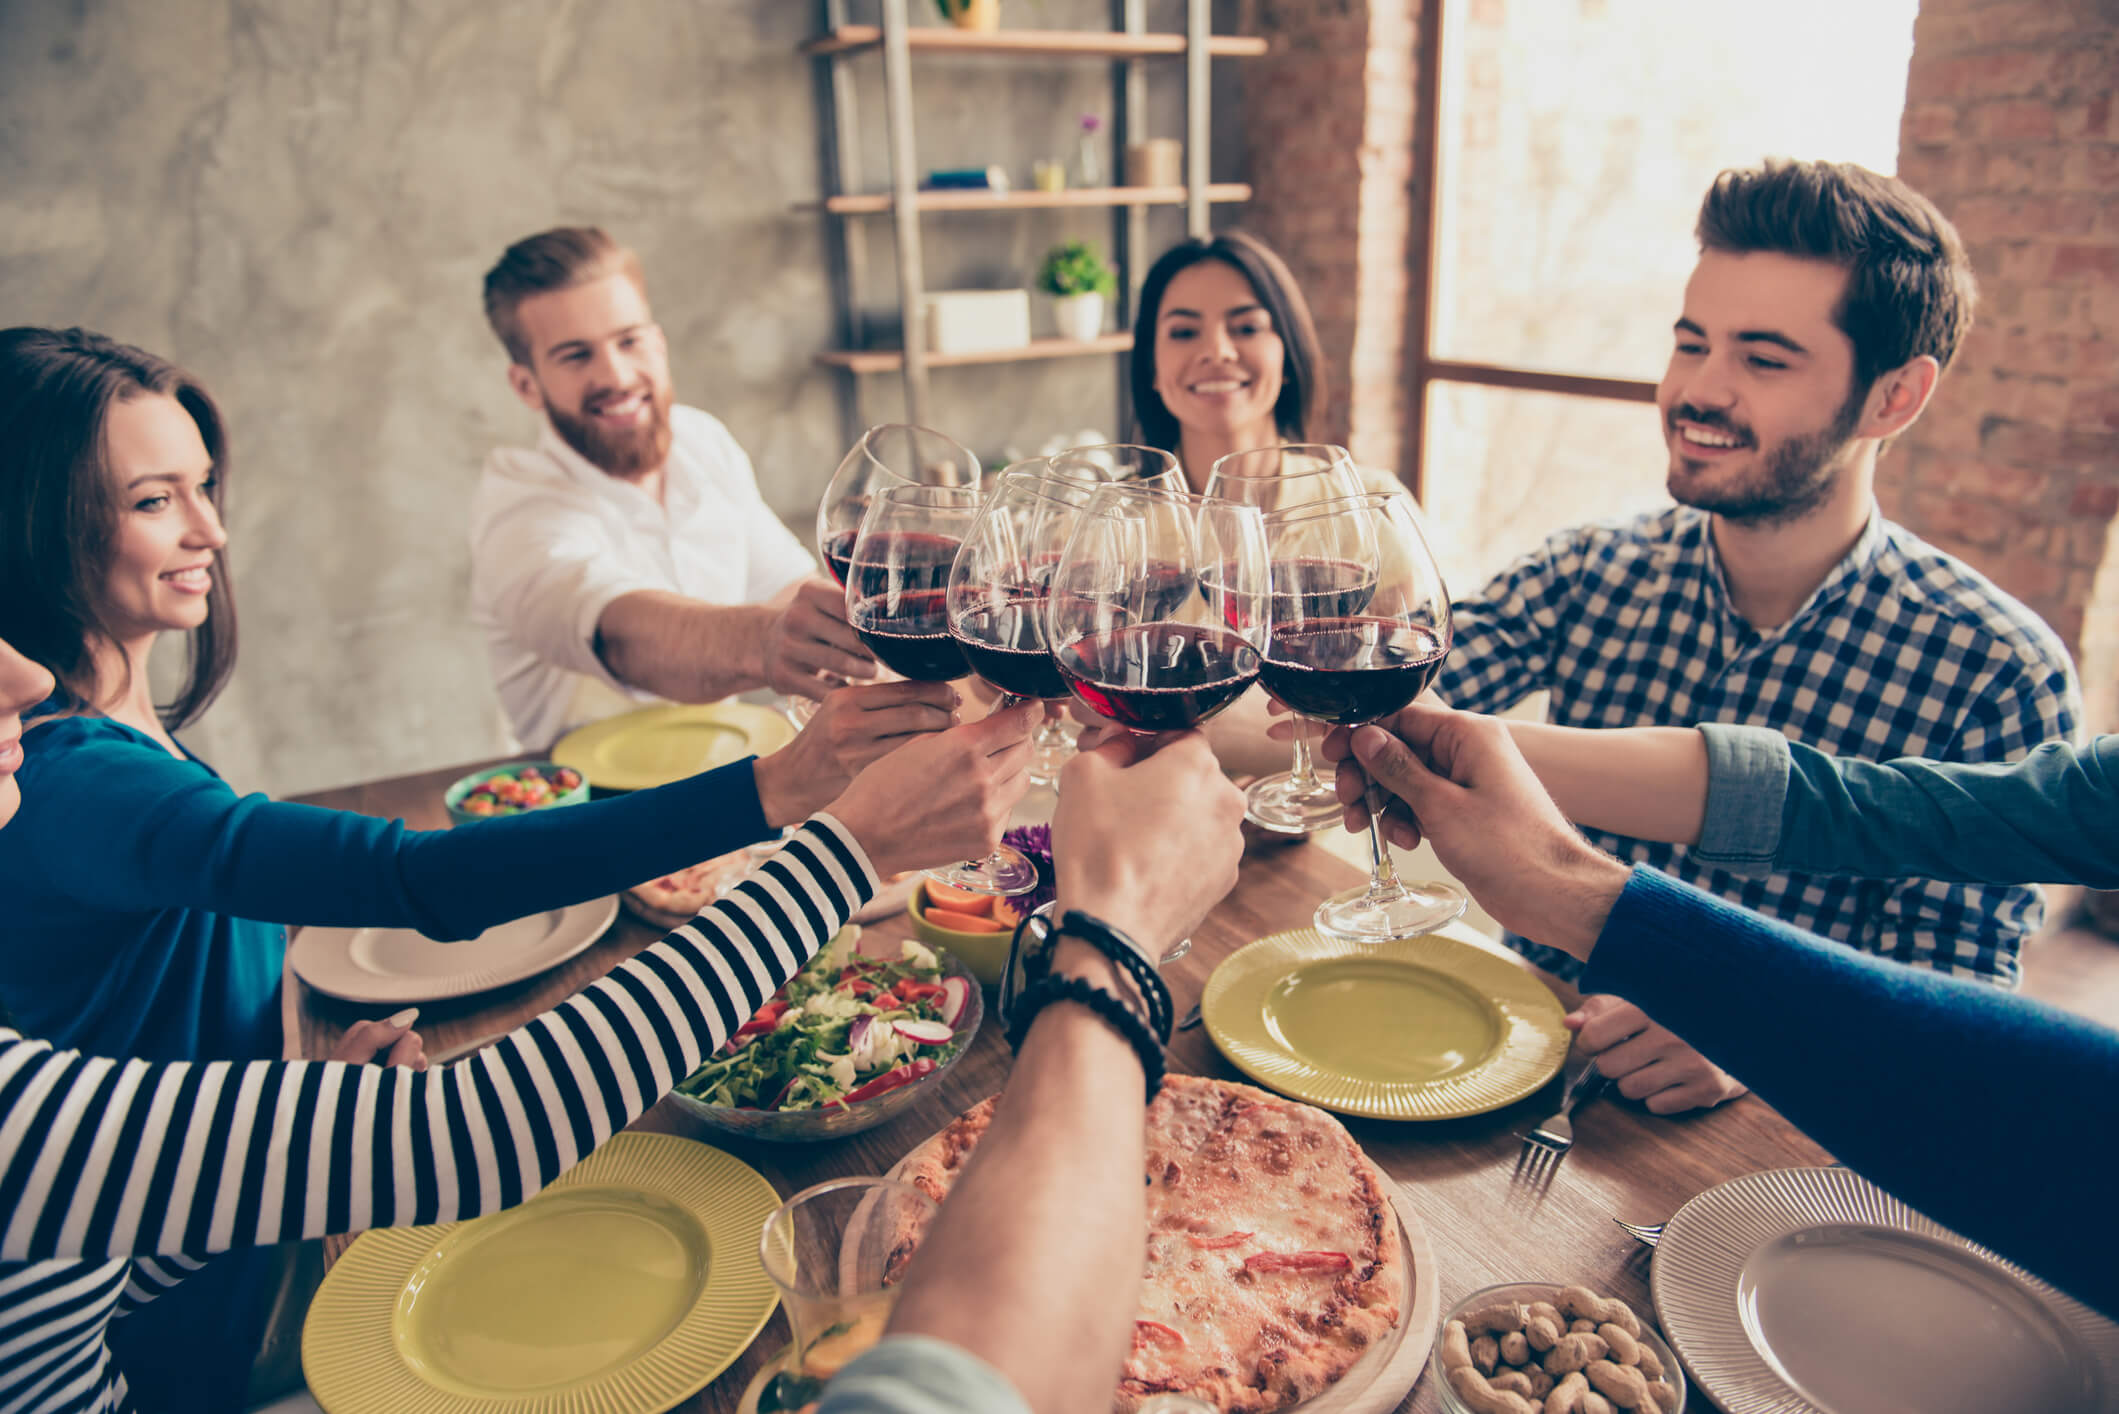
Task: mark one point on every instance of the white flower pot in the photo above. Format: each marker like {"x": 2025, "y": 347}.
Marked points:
{"x": 1079, "y": 317}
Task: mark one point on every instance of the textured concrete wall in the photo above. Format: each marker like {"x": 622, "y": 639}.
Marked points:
{"x": 296, "y": 200}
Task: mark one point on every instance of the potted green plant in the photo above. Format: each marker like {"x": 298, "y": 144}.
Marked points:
{"x": 971, "y": 14}
{"x": 1075, "y": 275}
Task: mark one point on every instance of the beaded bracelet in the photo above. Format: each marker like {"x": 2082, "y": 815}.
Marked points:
{"x": 1036, "y": 962}
{"x": 1121, "y": 1018}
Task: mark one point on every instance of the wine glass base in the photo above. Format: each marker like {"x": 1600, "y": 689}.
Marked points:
{"x": 1005, "y": 874}
{"x": 1286, "y": 806}
{"x": 1364, "y": 915}
{"x": 1178, "y": 949}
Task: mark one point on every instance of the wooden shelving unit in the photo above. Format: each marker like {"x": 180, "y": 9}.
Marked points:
{"x": 879, "y": 203}
{"x": 1083, "y": 44}
{"x": 891, "y": 360}
{"x": 839, "y": 46}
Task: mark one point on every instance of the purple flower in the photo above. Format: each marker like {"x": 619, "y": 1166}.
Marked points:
{"x": 1090, "y": 122}
{"x": 1035, "y": 844}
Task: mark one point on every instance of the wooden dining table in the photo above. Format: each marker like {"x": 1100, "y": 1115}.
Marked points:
{"x": 1483, "y": 1229}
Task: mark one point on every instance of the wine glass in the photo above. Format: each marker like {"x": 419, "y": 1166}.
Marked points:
{"x": 837, "y": 1252}
{"x": 1158, "y": 606}
{"x": 1295, "y": 801}
{"x": 1350, "y": 661}
{"x": 888, "y": 454}
{"x": 897, "y": 599}
{"x": 997, "y": 594}
{"x": 1157, "y": 611}
{"x": 1120, "y": 462}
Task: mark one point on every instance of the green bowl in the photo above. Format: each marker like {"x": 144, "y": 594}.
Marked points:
{"x": 453, "y": 797}
{"x": 986, "y": 954}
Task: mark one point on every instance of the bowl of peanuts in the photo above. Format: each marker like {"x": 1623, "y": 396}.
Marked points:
{"x": 1538, "y": 1347}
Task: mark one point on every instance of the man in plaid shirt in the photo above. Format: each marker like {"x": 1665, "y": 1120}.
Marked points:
{"x": 1826, "y": 303}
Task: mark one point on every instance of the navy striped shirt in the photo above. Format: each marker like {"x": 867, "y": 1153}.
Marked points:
{"x": 118, "y": 1176}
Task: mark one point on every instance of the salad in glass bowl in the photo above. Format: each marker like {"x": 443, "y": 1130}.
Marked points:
{"x": 849, "y": 1042}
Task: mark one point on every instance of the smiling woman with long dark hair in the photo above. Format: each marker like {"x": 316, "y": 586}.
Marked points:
{"x": 147, "y": 902}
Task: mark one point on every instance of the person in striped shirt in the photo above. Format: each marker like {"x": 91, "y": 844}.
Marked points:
{"x": 148, "y": 902}
{"x": 118, "y": 1176}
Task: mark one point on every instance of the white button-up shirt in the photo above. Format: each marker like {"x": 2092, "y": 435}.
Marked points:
{"x": 554, "y": 539}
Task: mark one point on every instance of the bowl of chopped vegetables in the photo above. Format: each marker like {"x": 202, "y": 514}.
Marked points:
{"x": 854, "y": 1039}
{"x": 514, "y": 789}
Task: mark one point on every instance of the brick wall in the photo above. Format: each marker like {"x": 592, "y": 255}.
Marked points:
{"x": 1328, "y": 121}
{"x": 2012, "y": 127}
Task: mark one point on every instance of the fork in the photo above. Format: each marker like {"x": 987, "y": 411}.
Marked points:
{"x": 1544, "y": 1147}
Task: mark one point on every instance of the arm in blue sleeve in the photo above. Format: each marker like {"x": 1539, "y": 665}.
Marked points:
{"x": 915, "y": 1374}
{"x": 1961, "y": 1099}
{"x": 131, "y": 827}
{"x": 2052, "y": 817}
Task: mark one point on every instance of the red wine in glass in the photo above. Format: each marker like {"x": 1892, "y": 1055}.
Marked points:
{"x": 1159, "y": 677}
{"x": 1005, "y": 645}
{"x": 1313, "y": 588}
{"x": 838, "y": 554}
{"x": 909, "y": 634}
{"x": 1350, "y": 670}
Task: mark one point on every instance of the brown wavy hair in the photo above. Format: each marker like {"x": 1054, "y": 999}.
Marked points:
{"x": 59, "y": 507}
{"x": 1302, "y": 376}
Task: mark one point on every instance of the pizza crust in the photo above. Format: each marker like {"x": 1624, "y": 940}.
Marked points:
{"x": 1234, "y": 1175}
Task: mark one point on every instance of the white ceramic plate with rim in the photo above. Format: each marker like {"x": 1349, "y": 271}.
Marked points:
{"x": 398, "y": 965}
{"x": 1812, "y": 1291}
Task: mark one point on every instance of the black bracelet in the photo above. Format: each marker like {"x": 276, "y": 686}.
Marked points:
{"x": 1121, "y": 1018}
{"x": 1029, "y": 964}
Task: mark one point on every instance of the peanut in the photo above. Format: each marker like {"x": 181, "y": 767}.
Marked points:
{"x": 1486, "y": 1353}
{"x": 1546, "y": 1309}
{"x": 1665, "y": 1396}
{"x": 1514, "y": 1381}
{"x": 1541, "y": 1384}
{"x": 1574, "y": 1352}
{"x": 1566, "y": 1396}
{"x": 1543, "y": 1332}
{"x": 1575, "y": 1327}
{"x": 1594, "y": 1403}
{"x": 1650, "y": 1365}
{"x": 1580, "y": 1301}
{"x": 1621, "y": 1384}
{"x": 1625, "y": 1350}
{"x": 1502, "y": 1316}
{"x": 1515, "y": 1348}
{"x": 1456, "y": 1347}
{"x": 1483, "y": 1398}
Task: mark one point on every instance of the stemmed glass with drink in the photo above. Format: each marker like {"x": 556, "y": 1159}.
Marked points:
{"x": 1296, "y": 801}
{"x": 1351, "y": 660}
{"x": 1108, "y": 462}
{"x": 897, "y": 599}
{"x": 888, "y": 454}
{"x": 1157, "y": 613}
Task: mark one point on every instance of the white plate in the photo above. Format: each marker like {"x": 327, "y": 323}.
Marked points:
{"x": 1812, "y": 1291}
{"x": 385, "y": 965}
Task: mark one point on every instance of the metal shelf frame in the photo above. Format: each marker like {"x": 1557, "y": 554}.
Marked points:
{"x": 1128, "y": 46}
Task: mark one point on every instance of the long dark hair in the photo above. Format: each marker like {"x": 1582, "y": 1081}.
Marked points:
{"x": 59, "y": 508}
{"x": 1302, "y": 373}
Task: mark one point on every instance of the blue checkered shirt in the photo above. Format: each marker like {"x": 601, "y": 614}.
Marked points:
{"x": 1902, "y": 651}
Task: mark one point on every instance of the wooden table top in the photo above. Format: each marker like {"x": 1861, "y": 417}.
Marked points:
{"x": 1626, "y": 1162}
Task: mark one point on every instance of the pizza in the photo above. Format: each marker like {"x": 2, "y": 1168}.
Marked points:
{"x": 675, "y": 899}
{"x": 1274, "y": 1260}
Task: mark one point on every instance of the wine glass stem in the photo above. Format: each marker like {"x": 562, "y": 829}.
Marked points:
{"x": 1383, "y": 875}
{"x": 1303, "y": 773}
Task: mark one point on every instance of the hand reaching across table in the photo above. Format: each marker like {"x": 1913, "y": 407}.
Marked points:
{"x": 853, "y": 728}
{"x": 943, "y": 796}
{"x": 810, "y": 648}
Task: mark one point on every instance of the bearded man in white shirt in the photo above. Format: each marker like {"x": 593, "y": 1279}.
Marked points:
{"x": 628, "y": 556}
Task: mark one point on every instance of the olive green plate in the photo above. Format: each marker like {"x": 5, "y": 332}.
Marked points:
{"x": 657, "y": 745}
{"x": 628, "y": 1284}
{"x": 1424, "y": 1028}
